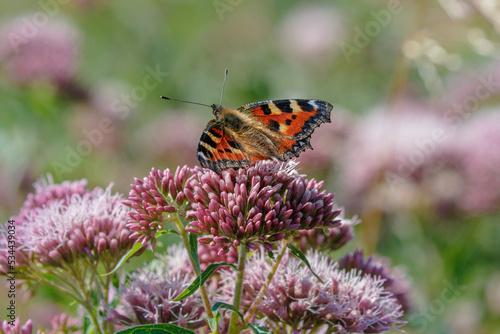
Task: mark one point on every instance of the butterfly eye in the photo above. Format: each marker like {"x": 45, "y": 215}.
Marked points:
{"x": 216, "y": 109}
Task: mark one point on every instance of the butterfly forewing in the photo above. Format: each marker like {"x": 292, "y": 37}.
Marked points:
{"x": 218, "y": 149}
{"x": 294, "y": 118}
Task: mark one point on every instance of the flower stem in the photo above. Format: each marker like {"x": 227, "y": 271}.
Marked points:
{"x": 185, "y": 238}
{"x": 242, "y": 257}
{"x": 253, "y": 307}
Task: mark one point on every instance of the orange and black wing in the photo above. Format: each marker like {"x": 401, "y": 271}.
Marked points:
{"x": 218, "y": 149}
{"x": 294, "y": 120}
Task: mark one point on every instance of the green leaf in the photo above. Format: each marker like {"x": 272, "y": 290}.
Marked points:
{"x": 217, "y": 306}
{"x": 156, "y": 329}
{"x": 295, "y": 251}
{"x": 214, "y": 322}
{"x": 197, "y": 282}
{"x": 259, "y": 329}
{"x": 271, "y": 255}
{"x": 163, "y": 232}
{"x": 125, "y": 257}
{"x": 136, "y": 248}
{"x": 193, "y": 249}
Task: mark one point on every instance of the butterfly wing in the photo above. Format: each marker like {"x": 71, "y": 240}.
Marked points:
{"x": 292, "y": 120}
{"x": 218, "y": 150}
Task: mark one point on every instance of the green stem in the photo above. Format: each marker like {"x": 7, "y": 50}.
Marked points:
{"x": 79, "y": 292}
{"x": 253, "y": 307}
{"x": 242, "y": 257}
{"x": 185, "y": 238}
{"x": 88, "y": 305}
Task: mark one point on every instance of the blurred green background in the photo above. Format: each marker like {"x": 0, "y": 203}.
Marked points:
{"x": 413, "y": 147}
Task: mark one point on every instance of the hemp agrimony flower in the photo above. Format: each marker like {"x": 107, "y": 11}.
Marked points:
{"x": 262, "y": 203}
{"x": 346, "y": 301}
{"x": 153, "y": 200}
{"x": 148, "y": 296}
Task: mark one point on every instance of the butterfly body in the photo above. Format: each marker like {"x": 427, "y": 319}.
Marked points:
{"x": 277, "y": 129}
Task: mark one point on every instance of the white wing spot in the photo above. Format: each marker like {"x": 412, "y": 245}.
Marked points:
{"x": 313, "y": 103}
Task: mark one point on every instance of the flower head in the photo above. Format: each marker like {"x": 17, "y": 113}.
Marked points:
{"x": 346, "y": 302}
{"x": 7, "y": 328}
{"x": 209, "y": 254}
{"x": 262, "y": 203}
{"x": 148, "y": 297}
{"x": 349, "y": 300}
{"x": 48, "y": 52}
{"x": 87, "y": 226}
{"x": 153, "y": 200}
{"x": 327, "y": 239}
{"x": 475, "y": 152}
{"x": 64, "y": 324}
{"x": 394, "y": 279}
{"x": 46, "y": 193}
{"x": 384, "y": 153}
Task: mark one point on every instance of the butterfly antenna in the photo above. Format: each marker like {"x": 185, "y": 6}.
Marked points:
{"x": 201, "y": 104}
{"x": 223, "y": 85}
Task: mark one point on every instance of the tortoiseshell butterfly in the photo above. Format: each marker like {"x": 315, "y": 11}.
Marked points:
{"x": 277, "y": 129}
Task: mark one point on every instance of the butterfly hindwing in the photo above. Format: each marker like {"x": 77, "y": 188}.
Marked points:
{"x": 293, "y": 118}
{"x": 293, "y": 147}
{"x": 218, "y": 150}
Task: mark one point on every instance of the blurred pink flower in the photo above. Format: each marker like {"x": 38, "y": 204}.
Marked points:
{"x": 63, "y": 324}
{"x": 30, "y": 51}
{"x": 390, "y": 152}
{"x": 311, "y": 32}
{"x": 7, "y": 328}
{"x": 173, "y": 137}
{"x": 328, "y": 144}
{"x": 100, "y": 121}
{"x": 475, "y": 150}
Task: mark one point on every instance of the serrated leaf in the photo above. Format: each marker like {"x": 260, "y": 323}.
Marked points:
{"x": 156, "y": 329}
{"x": 125, "y": 257}
{"x": 295, "y": 251}
{"x": 259, "y": 329}
{"x": 201, "y": 279}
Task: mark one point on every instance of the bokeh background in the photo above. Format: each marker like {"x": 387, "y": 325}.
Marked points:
{"x": 413, "y": 148}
